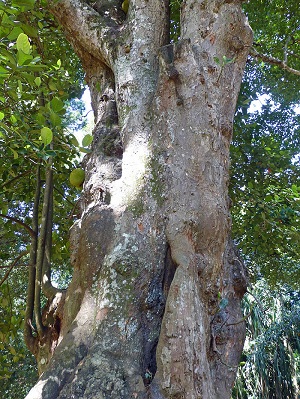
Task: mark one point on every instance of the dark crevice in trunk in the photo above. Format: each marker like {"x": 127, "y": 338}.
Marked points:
{"x": 107, "y": 149}
{"x": 107, "y": 132}
{"x": 150, "y": 361}
{"x": 170, "y": 268}
{"x": 162, "y": 286}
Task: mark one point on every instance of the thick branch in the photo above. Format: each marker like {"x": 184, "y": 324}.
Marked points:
{"x": 48, "y": 289}
{"x": 28, "y": 337}
{"x": 273, "y": 61}
{"x": 18, "y": 221}
{"x": 42, "y": 247}
{"x": 86, "y": 28}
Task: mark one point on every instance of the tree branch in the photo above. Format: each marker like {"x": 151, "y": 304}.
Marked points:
{"x": 87, "y": 29}
{"x": 20, "y": 265}
{"x": 12, "y": 266}
{"x": 18, "y": 221}
{"x": 28, "y": 337}
{"x": 273, "y": 61}
{"x": 48, "y": 289}
{"x": 41, "y": 248}
{"x": 7, "y": 183}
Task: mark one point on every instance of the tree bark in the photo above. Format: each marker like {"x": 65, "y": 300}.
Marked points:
{"x": 153, "y": 310}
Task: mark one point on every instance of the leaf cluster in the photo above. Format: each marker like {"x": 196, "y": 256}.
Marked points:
{"x": 271, "y": 356}
{"x": 265, "y": 188}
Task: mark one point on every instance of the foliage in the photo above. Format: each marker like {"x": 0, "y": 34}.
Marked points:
{"x": 265, "y": 151}
{"x": 18, "y": 369}
{"x": 272, "y": 352}
{"x": 265, "y": 189}
{"x": 276, "y": 33}
{"x": 175, "y": 20}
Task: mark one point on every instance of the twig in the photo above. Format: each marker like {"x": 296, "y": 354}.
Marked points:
{"x": 15, "y": 178}
{"x": 12, "y": 266}
{"x": 241, "y": 320}
{"x": 63, "y": 195}
{"x": 18, "y": 221}
{"x": 20, "y": 265}
{"x": 273, "y": 61}
{"x": 257, "y": 300}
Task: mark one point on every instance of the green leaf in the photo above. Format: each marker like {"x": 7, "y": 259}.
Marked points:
{"x": 30, "y": 30}
{"x": 46, "y": 135}
{"x": 11, "y": 348}
{"x": 87, "y": 140}
{"x": 4, "y": 72}
{"x": 50, "y": 153}
{"x": 38, "y": 81}
{"x": 23, "y": 3}
{"x": 1, "y": 115}
{"x": 14, "y": 33}
{"x": 295, "y": 188}
{"x": 55, "y": 119}
{"x": 20, "y": 86}
{"x": 23, "y": 43}
{"x": 52, "y": 86}
{"x": 40, "y": 118}
{"x": 56, "y": 104}
{"x": 13, "y": 119}
{"x": 15, "y": 154}
{"x": 74, "y": 141}
{"x": 34, "y": 68}
{"x": 8, "y": 58}
{"x": 23, "y": 58}
{"x": 85, "y": 150}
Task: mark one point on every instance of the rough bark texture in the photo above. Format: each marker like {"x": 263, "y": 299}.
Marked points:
{"x": 153, "y": 310}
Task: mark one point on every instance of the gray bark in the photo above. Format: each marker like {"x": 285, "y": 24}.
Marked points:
{"x": 152, "y": 251}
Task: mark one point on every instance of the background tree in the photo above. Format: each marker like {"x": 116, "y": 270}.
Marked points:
{"x": 270, "y": 364}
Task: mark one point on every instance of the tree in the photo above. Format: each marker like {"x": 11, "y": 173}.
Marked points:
{"x": 153, "y": 309}
{"x": 271, "y": 357}
{"x": 154, "y": 304}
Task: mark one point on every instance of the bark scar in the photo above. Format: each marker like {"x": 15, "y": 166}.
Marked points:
{"x": 167, "y": 61}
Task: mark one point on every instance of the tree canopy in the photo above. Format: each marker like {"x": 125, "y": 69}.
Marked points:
{"x": 41, "y": 76}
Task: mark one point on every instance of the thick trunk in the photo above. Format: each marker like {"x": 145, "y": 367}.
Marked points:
{"x": 153, "y": 310}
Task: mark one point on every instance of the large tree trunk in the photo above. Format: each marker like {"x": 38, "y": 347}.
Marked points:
{"x": 153, "y": 310}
